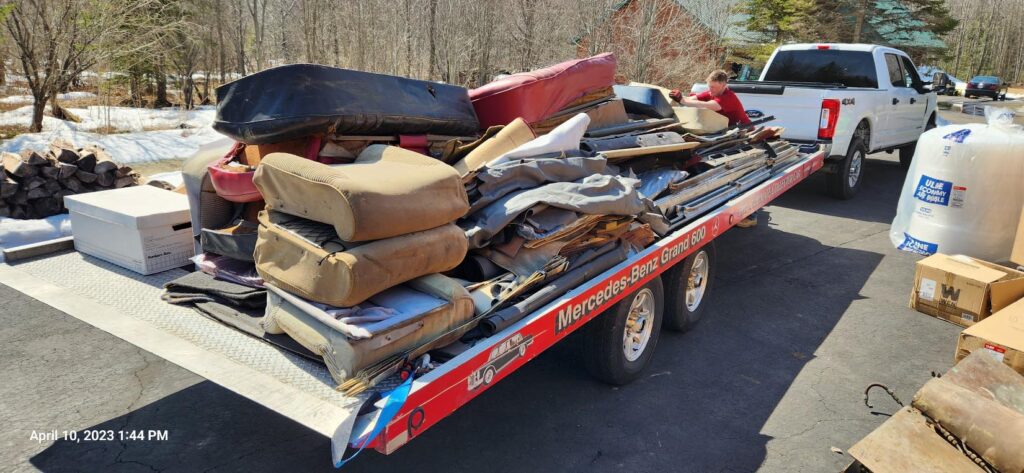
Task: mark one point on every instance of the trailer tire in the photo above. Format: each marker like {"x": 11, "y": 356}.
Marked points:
{"x": 605, "y": 351}
{"x": 684, "y": 305}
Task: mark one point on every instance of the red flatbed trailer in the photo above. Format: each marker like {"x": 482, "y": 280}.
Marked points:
{"x": 127, "y": 305}
{"x": 439, "y": 393}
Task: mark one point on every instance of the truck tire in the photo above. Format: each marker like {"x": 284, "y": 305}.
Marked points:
{"x": 618, "y": 344}
{"x": 687, "y": 286}
{"x": 845, "y": 181}
{"x": 907, "y": 152}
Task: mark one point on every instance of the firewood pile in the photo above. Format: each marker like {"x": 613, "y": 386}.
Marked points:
{"x": 33, "y": 185}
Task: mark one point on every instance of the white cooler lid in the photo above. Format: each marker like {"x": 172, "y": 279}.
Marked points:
{"x": 134, "y": 207}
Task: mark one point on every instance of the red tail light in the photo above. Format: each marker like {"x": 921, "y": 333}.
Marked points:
{"x": 829, "y": 118}
{"x": 823, "y": 46}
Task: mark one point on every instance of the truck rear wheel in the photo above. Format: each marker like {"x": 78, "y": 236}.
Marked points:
{"x": 844, "y": 182}
{"x": 687, "y": 286}
{"x": 618, "y": 344}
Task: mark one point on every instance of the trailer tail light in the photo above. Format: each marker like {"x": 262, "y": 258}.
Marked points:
{"x": 828, "y": 119}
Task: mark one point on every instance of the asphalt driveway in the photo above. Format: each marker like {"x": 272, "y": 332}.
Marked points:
{"x": 808, "y": 308}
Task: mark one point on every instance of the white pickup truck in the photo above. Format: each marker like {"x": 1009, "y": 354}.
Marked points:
{"x": 856, "y": 98}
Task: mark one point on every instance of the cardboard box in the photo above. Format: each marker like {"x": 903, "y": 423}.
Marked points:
{"x": 253, "y": 154}
{"x": 963, "y": 290}
{"x": 1001, "y": 335}
{"x": 701, "y": 121}
{"x": 143, "y": 228}
{"x": 1017, "y": 255}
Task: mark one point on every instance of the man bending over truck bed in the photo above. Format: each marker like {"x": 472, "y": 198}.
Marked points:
{"x": 720, "y": 99}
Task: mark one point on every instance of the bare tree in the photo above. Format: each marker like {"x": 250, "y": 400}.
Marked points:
{"x": 57, "y": 40}
{"x": 258, "y": 12}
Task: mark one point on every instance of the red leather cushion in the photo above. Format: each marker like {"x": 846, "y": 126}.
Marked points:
{"x": 536, "y": 95}
{"x": 233, "y": 186}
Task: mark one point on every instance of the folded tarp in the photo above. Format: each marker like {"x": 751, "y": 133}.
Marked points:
{"x": 539, "y": 94}
{"x": 644, "y": 101}
{"x": 307, "y": 258}
{"x": 597, "y": 194}
{"x": 388, "y": 191}
{"x": 347, "y": 349}
{"x": 298, "y": 100}
{"x": 510, "y": 176}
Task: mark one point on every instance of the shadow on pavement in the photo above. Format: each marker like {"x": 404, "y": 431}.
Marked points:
{"x": 700, "y": 407}
{"x": 883, "y": 180}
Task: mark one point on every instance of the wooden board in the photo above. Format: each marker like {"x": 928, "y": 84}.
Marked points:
{"x": 907, "y": 444}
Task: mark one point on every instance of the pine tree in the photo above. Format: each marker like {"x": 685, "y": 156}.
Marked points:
{"x": 781, "y": 20}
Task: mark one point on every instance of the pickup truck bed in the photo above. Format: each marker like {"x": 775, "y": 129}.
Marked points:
{"x": 128, "y": 306}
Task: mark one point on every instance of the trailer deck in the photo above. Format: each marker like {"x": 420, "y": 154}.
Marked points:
{"x": 127, "y": 305}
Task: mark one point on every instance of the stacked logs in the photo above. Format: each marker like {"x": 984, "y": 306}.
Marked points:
{"x": 34, "y": 185}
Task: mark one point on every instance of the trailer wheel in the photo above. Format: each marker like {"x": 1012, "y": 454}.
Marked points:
{"x": 687, "y": 287}
{"x": 618, "y": 344}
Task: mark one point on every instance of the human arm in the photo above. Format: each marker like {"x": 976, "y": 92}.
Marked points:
{"x": 696, "y": 102}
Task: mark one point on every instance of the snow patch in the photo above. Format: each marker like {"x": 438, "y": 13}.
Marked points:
{"x": 124, "y": 148}
{"x": 19, "y": 99}
{"x": 174, "y": 178}
{"x": 169, "y": 133}
{"x": 118, "y": 118}
{"x": 14, "y": 233}
{"x": 143, "y": 119}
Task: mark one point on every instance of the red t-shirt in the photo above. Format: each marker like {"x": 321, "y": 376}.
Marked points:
{"x": 730, "y": 103}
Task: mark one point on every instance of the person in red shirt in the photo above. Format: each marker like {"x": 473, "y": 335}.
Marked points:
{"x": 718, "y": 98}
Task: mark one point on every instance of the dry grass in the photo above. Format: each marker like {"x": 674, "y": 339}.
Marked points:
{"x": 10, "y": 131}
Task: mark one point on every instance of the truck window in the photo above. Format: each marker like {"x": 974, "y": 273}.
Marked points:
{"x": 850, "y": 68}
{"x": 910, "y": 73}
{"x": 895, "y": 72}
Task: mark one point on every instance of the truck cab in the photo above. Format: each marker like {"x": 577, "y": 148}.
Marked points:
{"x": 855, "y": 98}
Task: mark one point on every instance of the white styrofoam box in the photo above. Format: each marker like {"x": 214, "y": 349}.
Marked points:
{"x": 144, "y": 228}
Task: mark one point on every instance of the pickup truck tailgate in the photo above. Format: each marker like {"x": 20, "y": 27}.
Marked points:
{"x": 797, "y": 109}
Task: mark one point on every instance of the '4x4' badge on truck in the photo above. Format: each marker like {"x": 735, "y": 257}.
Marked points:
{"x": 501, "y": 356}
